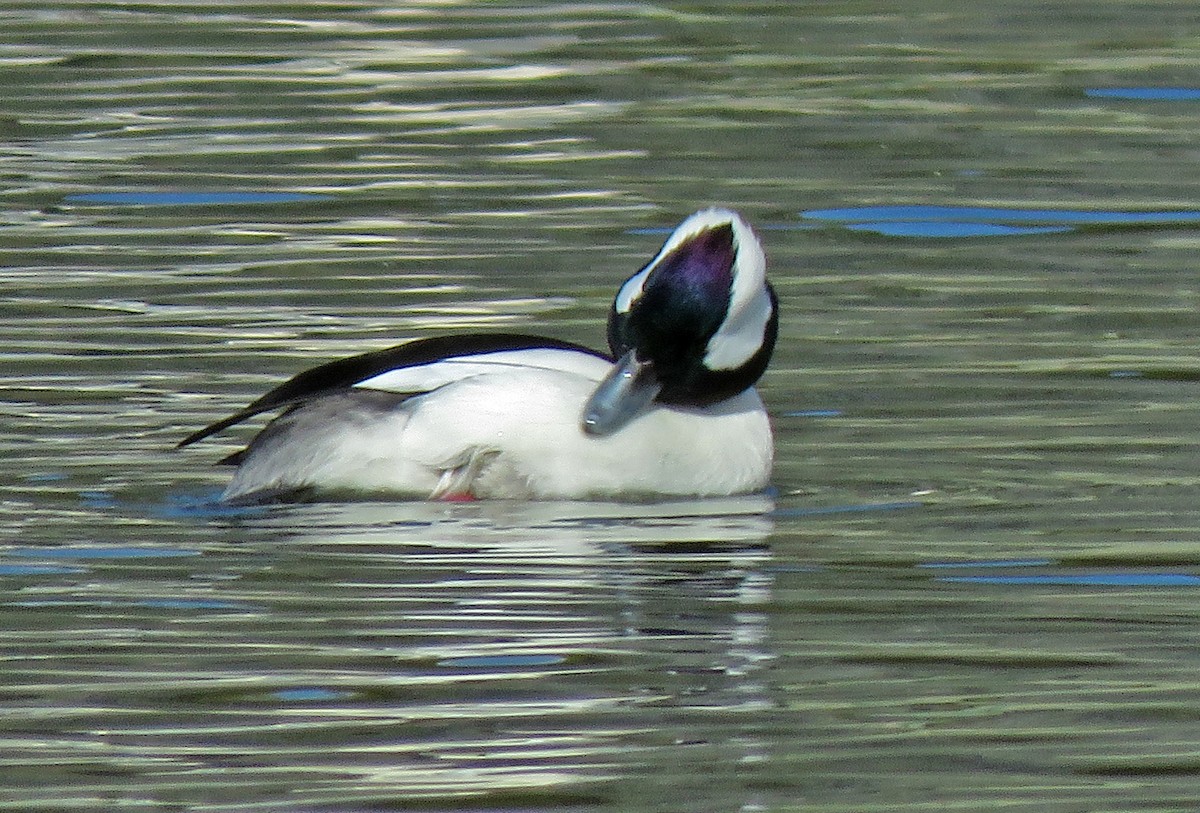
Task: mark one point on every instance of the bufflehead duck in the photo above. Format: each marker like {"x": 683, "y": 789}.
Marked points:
{"x": 672, "y": 412}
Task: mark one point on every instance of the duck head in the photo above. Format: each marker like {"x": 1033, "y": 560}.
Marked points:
{"x": 694, "y": 327}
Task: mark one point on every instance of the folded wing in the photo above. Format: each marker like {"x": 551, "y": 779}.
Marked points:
{"x": 415, "y": 367}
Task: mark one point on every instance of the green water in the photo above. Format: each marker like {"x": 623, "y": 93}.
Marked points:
{"x": 976, "y": 588}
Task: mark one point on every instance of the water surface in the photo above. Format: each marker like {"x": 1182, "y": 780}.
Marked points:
{"x": 973, "y": 586}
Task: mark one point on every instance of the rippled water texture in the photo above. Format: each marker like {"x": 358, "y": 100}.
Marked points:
{"x": 974, "y": 586}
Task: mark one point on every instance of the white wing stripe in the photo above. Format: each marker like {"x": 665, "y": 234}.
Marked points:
{"x": 425, "y": 377}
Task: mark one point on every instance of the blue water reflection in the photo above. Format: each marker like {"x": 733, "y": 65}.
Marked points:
{"x": 97, "y": 499}
{"x": 502, "y": 661}
{"x": 193, "y": 198}
{"x": 988, "y": 563}
{"x": 897, "y": 505}
{"x": 100, "y": 552}
{"x": 986, "y": 221}
{"x": 153, "y": 603}
{"x": 976, "y": 214}
{"x": 207, "y": 505}
{"x": 204, "y": 505}
{"x": 1093, "y": 579}
{"x": 46, "y": 477}
{"x": 309, "y": 694}
{"x": 196, "y": 604}
{"x": 950, "y": 229}
{"x": 1146, "y": 94}
{"x": 1084, "y": 579}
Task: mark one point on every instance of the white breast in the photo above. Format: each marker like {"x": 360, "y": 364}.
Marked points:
{"x": 541, "y": 451}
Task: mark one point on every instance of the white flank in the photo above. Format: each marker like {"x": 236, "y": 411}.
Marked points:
{"x": 511, "y": 433}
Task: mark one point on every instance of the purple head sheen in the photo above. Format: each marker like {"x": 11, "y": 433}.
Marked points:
{"x": 702, "y": 265}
